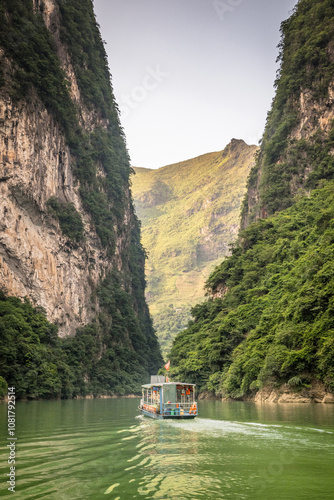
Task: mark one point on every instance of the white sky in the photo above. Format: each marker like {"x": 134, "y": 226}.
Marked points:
{"x": 190, "y": 75}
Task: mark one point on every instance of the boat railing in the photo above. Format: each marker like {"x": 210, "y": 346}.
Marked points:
{"x": 150, "y": 407}
{"x": 189, "y": 408}
{"x": 172, "y": 409}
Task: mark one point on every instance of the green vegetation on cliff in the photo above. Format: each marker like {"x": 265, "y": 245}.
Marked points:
{"x": 299, "y": 136}
{"x": 30, "y": 359}
{"x": 269, "y": 320}
{"x": 118, "y": 350}
{"x": 190, "y": 214}
{"x": 69, "y": 218}
{"x": 34, "y": 67}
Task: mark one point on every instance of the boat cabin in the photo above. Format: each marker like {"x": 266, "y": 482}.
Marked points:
{"x": 168, "y": 400}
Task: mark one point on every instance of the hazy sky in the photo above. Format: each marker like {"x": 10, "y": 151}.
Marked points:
{"x": 190, "y": 75}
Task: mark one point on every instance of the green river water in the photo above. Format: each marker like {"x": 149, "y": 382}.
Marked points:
{"x": 95, "y": 449}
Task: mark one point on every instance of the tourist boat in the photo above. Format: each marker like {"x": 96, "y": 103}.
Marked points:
{"x": 162, "y": 400}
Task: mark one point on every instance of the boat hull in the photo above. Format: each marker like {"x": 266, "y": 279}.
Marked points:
{"x": 158, "y": 416}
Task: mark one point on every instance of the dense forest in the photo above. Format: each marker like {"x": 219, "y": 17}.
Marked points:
{"x": 118, "y": 350}
{"x": 268, "y": 321}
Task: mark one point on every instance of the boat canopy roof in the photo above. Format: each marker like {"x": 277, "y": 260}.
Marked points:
{"x": 185, "y": 384}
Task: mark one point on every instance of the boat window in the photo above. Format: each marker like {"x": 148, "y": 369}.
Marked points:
{"x": 169, "y": 393}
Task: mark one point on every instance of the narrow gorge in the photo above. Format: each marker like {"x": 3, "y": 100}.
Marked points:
{"x": 190, "y": 215}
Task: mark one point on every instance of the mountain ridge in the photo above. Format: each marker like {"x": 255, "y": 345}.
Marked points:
{"x": 189, "y": 214}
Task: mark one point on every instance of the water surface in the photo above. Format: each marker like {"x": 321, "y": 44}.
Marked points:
{"x": 94, "y": 449}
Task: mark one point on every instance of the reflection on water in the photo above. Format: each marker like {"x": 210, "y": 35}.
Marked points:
{"x": 171, "y": 461}
{"x": 103, "y": 449}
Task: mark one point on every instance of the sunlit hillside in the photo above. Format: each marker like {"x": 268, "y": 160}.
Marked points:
{"x": 190, "y": 215}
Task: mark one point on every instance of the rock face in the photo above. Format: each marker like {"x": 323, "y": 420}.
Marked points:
{"x": 37, "y": 162}
{"x": 316, "y": 394}
{"x": 36, "y": 260}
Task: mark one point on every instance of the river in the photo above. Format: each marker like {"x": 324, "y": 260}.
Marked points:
{"x": 94, "y": 449}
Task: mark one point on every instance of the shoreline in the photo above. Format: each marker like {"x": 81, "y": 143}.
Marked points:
{"x": 296, "y": 399}
{"x": 88, "y": 396}
{"x": 315, "y": 394}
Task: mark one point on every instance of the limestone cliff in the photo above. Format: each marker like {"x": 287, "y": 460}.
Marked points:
{"x": 61, "y": 141}
{"x": 37, "y": 260}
